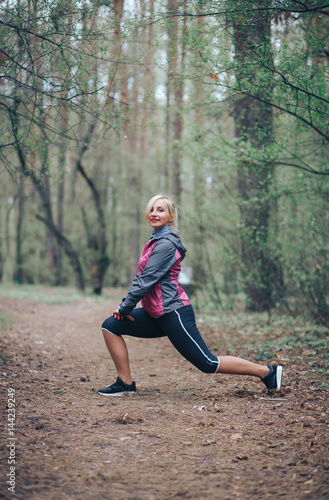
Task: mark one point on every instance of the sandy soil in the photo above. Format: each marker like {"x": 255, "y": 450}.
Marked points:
{"x": 183, "y": 435}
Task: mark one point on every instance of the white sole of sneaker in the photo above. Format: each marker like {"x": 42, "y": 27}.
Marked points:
{"x": 278, "y": 377}
{"x": 117, "y": 393}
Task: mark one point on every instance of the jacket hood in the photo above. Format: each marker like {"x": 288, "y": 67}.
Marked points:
{"x": 174, "y": 238}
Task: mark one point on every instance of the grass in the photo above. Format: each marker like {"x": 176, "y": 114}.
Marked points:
{"x": 235, "y": 331}
{"x": 5, "y": 320}
{"x": 293, "y": 338}
{"x": 54, "y": 295}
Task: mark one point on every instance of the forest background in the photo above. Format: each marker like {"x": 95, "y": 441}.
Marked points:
{"x": 221, "y": 104}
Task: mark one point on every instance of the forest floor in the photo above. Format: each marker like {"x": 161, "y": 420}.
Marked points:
{"x": 184, "y": 434}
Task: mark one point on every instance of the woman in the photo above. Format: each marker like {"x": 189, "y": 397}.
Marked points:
{"x": 166, "y": 309}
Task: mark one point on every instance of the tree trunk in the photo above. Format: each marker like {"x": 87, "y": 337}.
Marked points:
{"x": 51, "y": 254}
{"x": 60, "y": 212}
{"x": 254, "y": 131}
{"x": 318, "y": 40}
{"x": 2, "y": 239}
{"x": 148, "y": 91}
{"x": 199, "y": 268}
{"x": 134, "y": 172}
{"x": 19, "y": 274}
{"x": 97, "y": 240}
{"x": 61, "y": 239}
{"x": 168, "y": 136}
{"x": 64, "y": 114}
{"x": 96, "y": 236}
{"x": 61, "y": 186}
{"x": 178, "y": 101}
{"x": 97, "y": 243}
{"x": 69, "y": 250}
{"x": 46, "y": 205}
{"x": 60, "y": 190}
{"x": 7, "y": 232}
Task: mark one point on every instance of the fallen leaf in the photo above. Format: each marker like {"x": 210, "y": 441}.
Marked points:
{"x": 236, "y": 436}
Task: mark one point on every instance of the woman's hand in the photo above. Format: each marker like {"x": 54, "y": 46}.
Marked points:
{"x": 117, "y": 315}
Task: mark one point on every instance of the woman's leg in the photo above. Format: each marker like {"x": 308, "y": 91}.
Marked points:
{"x": 185, "y": 336}
{"x": 142, "y": 327}
{"x": 239, "y": 366}
{"x": 183, "y": 333}
{"x": 119, "y": 353}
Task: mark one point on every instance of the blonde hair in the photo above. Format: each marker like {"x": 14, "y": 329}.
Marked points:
{"x": 172, "y": 209}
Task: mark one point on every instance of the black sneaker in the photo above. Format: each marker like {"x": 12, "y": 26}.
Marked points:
{"x": 273, "y": 378}
{"x": 119, "y": 388}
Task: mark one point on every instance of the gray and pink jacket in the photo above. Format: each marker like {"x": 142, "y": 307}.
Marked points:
{"x": 156, "y": 283}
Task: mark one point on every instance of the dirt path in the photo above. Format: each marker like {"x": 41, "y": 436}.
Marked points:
{"x": 183, "y": 435}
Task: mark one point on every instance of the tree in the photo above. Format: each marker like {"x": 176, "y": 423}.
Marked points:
{"x": 260, "y": 85}
{"x": 254, "y": 128}
{"x": 123, "y": 99}
{"x": 176, "y": 53}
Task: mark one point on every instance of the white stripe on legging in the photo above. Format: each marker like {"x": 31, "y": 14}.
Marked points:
{"x": 111, "y": 332}
{"x": 187, "y": 333}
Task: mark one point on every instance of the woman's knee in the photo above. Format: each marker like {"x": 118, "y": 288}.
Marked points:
{"x": 109, "y": 325}
{"x": 207, "y": 366}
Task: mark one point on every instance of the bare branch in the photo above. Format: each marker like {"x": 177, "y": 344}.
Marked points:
{"x": 312, "y": 171}
{"x": 276, "y": 106}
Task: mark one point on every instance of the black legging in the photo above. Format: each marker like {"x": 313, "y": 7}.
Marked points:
{"x": 179, "y": 326}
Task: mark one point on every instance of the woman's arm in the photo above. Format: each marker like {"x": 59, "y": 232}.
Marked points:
{"x": 117, "y": 315}
{"x": 161, "y": 260}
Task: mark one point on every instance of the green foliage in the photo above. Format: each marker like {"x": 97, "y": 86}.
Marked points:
{"x": 5, "y": 321}
{"x": 118, "y": 92}
{"x": 41, "y": 294}
{"x": 286, "y": 338}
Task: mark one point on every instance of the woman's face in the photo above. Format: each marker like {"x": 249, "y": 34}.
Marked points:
{"x": 159, "y": 215}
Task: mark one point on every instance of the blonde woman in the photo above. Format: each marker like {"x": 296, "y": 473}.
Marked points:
{"x": 166, "y": 310}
